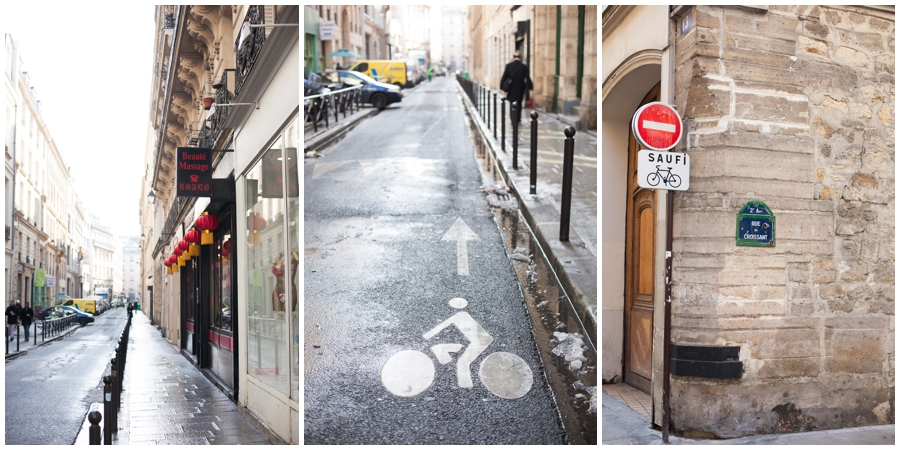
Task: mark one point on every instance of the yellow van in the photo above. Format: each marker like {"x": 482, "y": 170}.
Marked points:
{"x": 386, "y": 71}
{"x": 88, "y": 306}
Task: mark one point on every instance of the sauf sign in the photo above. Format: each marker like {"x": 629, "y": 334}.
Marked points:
{"x": 657, "y": 126}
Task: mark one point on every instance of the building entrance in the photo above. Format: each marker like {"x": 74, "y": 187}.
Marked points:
{"x": 640, "y": 249}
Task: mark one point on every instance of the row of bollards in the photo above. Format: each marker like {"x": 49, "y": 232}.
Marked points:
{"x": 49, "y": 328}
{"x": 480, "y": 97}
{"x": 112, "y": 392}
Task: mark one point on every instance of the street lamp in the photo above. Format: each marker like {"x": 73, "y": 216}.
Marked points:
{"x": 151, "y": 197}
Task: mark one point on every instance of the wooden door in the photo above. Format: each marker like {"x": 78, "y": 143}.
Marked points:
{"x": 640, "y": 256}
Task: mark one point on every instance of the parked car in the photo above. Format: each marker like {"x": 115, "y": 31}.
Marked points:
{"x": 51, "y": 313}
{"x": 380, "y": 95}
{"x": 84, "y": 318}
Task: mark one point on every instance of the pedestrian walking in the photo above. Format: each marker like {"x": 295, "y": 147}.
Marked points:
{"x": 514, "y": 82}
{"x": 27, "y": 319}
{"x": 12, "y": 319}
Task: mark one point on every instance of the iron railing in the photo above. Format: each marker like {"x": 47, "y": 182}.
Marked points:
{"x": 317, "y": 108}
{"x": 248, "y": 45}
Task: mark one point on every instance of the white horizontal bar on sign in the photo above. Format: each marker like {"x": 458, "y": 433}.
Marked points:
{"x": 659, "y": 126}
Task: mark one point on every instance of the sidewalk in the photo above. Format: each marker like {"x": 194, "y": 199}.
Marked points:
{"x": 623, "y": 425}
{"x": 167, "y": 400}
{"x": 575, "y": 261}
{"x": 34, "y": 342}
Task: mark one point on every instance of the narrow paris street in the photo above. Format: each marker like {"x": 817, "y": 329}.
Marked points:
{"x": 59, "y": 380}
{"x": 400, "y": 246}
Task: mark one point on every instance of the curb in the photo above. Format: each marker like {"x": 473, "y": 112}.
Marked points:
{"x": 337, "y": 131}
{"x": 564, "y": 257}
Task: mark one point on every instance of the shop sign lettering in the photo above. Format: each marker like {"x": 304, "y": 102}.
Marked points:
{"x": 194, "y": 172}
{"x": 272, "y": 179}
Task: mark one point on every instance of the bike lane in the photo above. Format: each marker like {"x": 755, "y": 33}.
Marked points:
{"x": 403, "y": 257}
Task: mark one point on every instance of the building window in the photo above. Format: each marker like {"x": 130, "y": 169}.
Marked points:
{"x": 273, "y": 261}
{"x": 221, "y": 279}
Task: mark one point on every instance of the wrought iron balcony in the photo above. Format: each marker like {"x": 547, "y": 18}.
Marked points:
{"x": 248, "y": 45}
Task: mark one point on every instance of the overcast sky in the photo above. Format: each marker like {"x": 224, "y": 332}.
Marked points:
{"x": 91, "y": 67}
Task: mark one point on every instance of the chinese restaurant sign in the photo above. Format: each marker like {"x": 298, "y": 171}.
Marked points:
{"x": 755, "y": 225}
{"x": 273, "y": 181}
{"x": 194, "y": 174}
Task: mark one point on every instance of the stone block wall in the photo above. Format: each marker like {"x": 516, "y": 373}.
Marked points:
{"x": 792, "y": 106}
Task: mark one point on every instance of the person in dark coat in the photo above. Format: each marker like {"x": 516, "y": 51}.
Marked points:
{"x": 519, "y": 82}
{"x": 12, "y": 319}
{"x": 27, "y": 316}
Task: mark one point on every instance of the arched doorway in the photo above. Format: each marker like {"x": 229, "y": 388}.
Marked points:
{"x": 640, "y": 251}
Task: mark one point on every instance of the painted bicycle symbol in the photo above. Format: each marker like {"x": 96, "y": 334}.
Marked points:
{"x": 669, "y": 179}
{"x": 410, "y": 372}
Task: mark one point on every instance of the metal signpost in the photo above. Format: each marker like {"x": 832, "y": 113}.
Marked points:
{"x": 657, "y": 126}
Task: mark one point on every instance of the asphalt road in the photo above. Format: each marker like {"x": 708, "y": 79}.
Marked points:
{"x": 50, "y": 389}
{"x": 380, "y": 275}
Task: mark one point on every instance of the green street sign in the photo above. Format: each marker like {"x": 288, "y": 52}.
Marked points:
{"x": 39, "y": 277}
{"x": 755, "y": 225}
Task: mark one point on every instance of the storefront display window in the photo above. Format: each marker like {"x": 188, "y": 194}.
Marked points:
{"x": 273, "y": 262}
{"x": 221, "y": 311}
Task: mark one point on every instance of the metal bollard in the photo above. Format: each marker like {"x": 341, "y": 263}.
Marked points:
{"x": 94, "y": 417}
{"x": 109, "y": 411}
{"x": 503, "y": 124}
{"x": 568, "y": 163}
{"x": 534, "y": 154}
{"x": 495, "y": 115}
{"x": 487, "y": 106}
{"x": 114, "y": 375}
{"x": 18, "y": 332}
{"x": 515, "y": 132}
{"x": 337, "y": 108}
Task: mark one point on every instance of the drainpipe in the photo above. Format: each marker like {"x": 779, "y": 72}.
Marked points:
{"x": 670, "y": 211}
{"x": 558, "y": 37}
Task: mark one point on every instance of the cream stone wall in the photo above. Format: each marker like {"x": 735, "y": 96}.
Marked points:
{"x": 792, "y": 106}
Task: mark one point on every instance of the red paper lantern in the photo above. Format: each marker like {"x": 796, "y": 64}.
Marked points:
{"x": 255, "y": 223}
{"x": 226, "y": 248}
{"x": 193, "y": 237}
{"x": 206, "y": 223}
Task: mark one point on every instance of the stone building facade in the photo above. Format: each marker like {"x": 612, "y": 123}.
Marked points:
{"x": 559, "y": 45}
{"x": 226, "y": 86}
{"x": 43, "y": 211}
{"x": 792, "y": 106}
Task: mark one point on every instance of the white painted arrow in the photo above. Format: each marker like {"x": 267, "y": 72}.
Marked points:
{"x": 461, "y": 233}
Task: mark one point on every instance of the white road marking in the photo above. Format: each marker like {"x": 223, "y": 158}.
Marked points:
{"x": 442, "y": 352}
{"x": 479, "y": 339}
{"x": 506, "y": 375}
{"x": 322, "y": 168}
{"x": 659, "y": 126}
{"x": 408, "y": 373}
{"x": 460, "y": 232}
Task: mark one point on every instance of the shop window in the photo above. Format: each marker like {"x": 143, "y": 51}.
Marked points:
{"x": 222, "y": 307}
{"x": 273, "y": 262}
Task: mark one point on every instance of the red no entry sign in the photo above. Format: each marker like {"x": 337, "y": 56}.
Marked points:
{"x": 657, "y": 126}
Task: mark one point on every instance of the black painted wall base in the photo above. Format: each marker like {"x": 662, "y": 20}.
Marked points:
{"x": 709, "y": 362}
